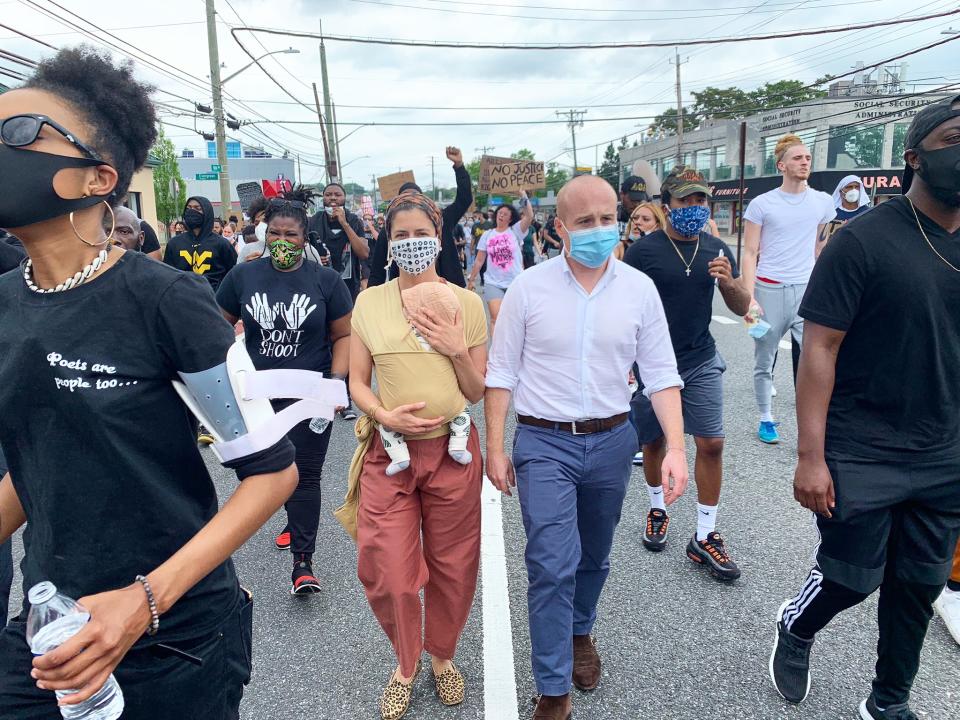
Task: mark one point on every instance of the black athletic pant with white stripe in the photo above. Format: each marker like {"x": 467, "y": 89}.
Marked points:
{"x": 895, "y": 526}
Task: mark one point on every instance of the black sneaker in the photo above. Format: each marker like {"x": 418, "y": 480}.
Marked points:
{"x": 900, "y": 711}
{"x": 655, "y": 533}
{"x": 790, "y": 662}
{"x": 713, "y": 553}
{"x": 303, "y": 581}
{"x": 348, "y": 413}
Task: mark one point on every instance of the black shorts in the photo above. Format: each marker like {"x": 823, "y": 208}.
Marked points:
{"x": 907, "y": 513}
{"x": 156, "y": 685}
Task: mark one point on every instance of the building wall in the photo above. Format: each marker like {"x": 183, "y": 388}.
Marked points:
{"x": 241, "y": 170}
{"x": 846, "y": 134}
{"x": 142, "y": 185}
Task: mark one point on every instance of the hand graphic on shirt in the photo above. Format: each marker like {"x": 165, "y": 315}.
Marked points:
{"x": 259, "y": 307}
{"x": 297, "y": 312}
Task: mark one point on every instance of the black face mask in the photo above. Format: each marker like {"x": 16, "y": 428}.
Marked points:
{"x": 193, "y": 219}
{"x": 26, "y": 187}
{"x": 940, "y": 169}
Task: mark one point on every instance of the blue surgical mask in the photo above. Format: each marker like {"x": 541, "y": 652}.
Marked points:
{"x": 689, "y": 220}
{"x": 592, "y": 247}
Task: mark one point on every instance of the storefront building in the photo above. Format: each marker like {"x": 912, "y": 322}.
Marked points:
{"x": 855, "y": 135}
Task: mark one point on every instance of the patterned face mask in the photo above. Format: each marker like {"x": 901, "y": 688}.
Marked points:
{"x": 414, "y": 255}
{"x": 285, "y": 254}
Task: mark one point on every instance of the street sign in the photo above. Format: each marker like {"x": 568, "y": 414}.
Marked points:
{"x": 208, "y": 176}
{"x": 216, "y": 168}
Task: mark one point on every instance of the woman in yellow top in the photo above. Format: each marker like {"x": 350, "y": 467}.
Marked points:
{"x": 421, "y": 386}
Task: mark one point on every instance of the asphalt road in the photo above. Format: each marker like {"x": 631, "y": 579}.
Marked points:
{"x": 675, "y": 643}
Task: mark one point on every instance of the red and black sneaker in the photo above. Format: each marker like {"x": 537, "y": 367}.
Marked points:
{"x": 303, "y": 580}
{"x": 655, "y": 533}
{"x": 283, "y": 540}
{"x": 712, "y": 552}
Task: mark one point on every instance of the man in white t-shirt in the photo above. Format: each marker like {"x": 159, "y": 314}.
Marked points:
{"x": 782, "y": 230}
{"x": 501, "y": 248}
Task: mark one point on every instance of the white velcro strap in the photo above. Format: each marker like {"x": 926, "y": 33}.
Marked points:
{"x": 305, "y": 384}
{"x": 268, "y": 435}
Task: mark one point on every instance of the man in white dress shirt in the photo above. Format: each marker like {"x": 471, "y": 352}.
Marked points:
{"x": 569, "y": 331}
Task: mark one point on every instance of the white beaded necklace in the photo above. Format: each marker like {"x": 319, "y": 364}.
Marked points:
{"x": 71, "y": 282}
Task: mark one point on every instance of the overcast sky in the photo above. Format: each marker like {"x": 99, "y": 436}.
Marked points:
{"x": 528, "y": 85}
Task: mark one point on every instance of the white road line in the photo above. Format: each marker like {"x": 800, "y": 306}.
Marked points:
{"x": 785, "y": 345}
{"x": 499, "y": 680}
{"x": 724, "y": 320}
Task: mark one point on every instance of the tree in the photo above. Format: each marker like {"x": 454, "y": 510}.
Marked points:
{"x": 714, "y": 102}
{"x": 782, "y": 94}
{"x": 352, "y": 188}
{"x": 667, "y": 121}
{"x": 556, "y": 177}
{"x": 169, "y": 187}
{"x": 523, "y": 154}
{"x": 610, "y": 167}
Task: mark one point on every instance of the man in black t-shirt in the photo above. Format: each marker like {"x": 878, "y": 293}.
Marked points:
{"x": 687, "y": 264}
{"x": 879, "y": 431}
{"x": 338, "y": 234}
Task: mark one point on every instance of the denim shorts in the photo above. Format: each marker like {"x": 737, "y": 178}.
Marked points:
{"x": 702, "y": 400}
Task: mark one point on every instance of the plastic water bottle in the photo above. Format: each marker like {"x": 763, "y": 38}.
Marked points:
{"x": 757, "y": 327}
{"x": 319, "y": 425}
{"x": 54, "y": 619}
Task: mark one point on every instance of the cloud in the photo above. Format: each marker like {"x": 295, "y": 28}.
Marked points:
{"x": 471, "y": 80}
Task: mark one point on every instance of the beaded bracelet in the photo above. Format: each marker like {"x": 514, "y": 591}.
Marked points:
{"x": 152, "y": 603}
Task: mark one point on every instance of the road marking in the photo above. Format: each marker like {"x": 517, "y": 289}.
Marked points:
{"x": 724, "y": 320}
{"x": 785, "y": 345}
{"x": 499, "y": 680}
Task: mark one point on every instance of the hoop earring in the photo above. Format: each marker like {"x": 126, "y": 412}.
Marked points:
{"x": 113, "y": 227}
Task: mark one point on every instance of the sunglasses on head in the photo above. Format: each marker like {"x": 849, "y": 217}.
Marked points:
{"x": 280, "y": 203}
{"x": 23, "y": 130}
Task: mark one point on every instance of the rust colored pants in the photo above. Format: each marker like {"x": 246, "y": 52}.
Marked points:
{"x": 440, "y": 499}
{"x": 955, "y": 575}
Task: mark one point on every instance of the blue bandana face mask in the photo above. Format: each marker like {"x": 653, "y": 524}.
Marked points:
{"x": 592, "y": 247}
{"x": 689, "y": 220}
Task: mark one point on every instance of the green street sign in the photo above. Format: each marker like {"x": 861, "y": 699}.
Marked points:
{"x": 208, "y": 176}
{"x": 216, "y": 168}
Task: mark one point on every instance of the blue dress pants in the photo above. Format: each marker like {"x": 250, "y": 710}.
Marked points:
{"x": 571, "y": 491}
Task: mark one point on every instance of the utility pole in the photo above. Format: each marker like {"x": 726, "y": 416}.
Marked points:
{"x": 327, "y": 110}
{"x": 225, "y": 203}
{"x": 373, "y": 184}
{"x": 323, "y": 134}
{"x": 336, "y": 137}
{"x": 433, "y": 181}
{"x": 483, "y": 150}
{"x": 299, "y": 170}
{"x": 574, "y": 120}
{"x": 679, "y": 109}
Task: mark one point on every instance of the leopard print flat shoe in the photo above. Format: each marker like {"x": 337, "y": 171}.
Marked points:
{"x": 450, "y": 686}
{"x": 395, "y": 700}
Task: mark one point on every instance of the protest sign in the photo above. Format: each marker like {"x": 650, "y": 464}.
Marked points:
{"x": 390, "y": 184}
{"x": 504, "y": 175}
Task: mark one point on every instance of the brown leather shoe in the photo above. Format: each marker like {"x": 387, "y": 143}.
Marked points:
{"x": 553, "y": 707}
{"x": 586, "y": 663}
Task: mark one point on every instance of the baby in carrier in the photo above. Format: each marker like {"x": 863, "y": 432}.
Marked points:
{"x": 440, "y": 300}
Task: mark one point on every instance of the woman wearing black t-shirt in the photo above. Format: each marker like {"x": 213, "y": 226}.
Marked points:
{"x": 296, "y": 315}
{"x": 91, "y": 337}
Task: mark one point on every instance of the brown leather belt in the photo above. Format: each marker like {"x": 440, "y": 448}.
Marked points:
{"x": 577, "y": 427}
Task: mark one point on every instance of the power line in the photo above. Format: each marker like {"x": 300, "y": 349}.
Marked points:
{"x": 701, "y": 16}
{"x": 596, "y": 46}
{"x": 28, "y": 37}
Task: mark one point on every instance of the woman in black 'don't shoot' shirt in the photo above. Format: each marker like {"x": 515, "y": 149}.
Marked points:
{"x": 104, "y": 467}
{"x": 296, "y": 315}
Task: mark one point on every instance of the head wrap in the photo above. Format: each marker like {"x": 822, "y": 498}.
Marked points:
{"x": 413, "y": 201}
{"x": 838, "y": 193}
